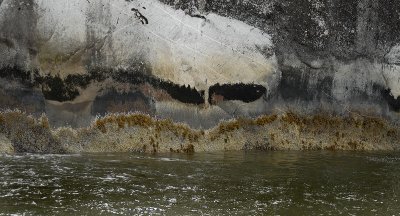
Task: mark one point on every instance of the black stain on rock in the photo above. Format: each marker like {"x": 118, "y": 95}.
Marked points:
{"x": 58, "y": 89}
{"x": 243, "y": 92}
{"x": 54, "y": 88}
{"x": 184, "y": 94}
{"x": 198, "y": 16}
{"x": 16, "y": 73}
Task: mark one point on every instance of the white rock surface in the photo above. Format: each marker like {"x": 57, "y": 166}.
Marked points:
{"x": 180, "y": 48}
{"x": 393, "y": 57}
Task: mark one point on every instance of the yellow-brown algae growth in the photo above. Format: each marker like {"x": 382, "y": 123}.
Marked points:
{"x": 135, "y": 132}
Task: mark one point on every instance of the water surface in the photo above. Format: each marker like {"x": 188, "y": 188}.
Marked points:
{"x": 224, "y": 183}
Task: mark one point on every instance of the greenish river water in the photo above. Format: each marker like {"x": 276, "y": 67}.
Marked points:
{"x": 224, "y": 183}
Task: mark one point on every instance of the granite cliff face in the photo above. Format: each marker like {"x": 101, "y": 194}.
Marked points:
{"x": 200, "y": 62}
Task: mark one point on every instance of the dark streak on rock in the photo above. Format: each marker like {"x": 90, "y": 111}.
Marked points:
{"x": 295, "y": 85}
{"x": 18, "y": 29}
{"x": 198, "y": 16}
{"x": 140, "y": 16}
{"x": 99, "y": 37}
{"x": 15, "y": 73}
{"x": 55, "y": 88}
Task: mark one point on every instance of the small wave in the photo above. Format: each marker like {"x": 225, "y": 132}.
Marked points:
{"x": 172, "y": 159}
{"x": 386, "y": 159}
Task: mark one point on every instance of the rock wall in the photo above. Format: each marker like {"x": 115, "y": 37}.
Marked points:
{"x": 199, "y": 61}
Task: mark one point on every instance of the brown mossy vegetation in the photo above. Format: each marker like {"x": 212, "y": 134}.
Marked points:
{"x": 123, "y": 120}
{"x": 352, "y": 132}
{"x": 44, "y": 121}
{"x": 189, "y": 149}
{"x": 321, "y": 121}
{"x": 142, "y": 133}
{"x": 28, "y": 134}
{"x": 227, "y": 127}
{"x": 286, "y": 131}
{"x": 178, "y": 132}
{"x": 264, "y": 120}
{"x": 293, "y": 119}
{"x": 145, "y": 121}
{"x": 241, "y": 123}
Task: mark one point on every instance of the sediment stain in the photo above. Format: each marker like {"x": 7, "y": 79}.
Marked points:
{"x": 99, "y": 34}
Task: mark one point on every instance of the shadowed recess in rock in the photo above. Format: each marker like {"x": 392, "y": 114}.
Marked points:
{"x": 243, "y": 92}
{"x": 295, "y": 85}
{"x": 116, "y": 102}
{"x": 394, "y": 103}
{"x": 26, "y": 99}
